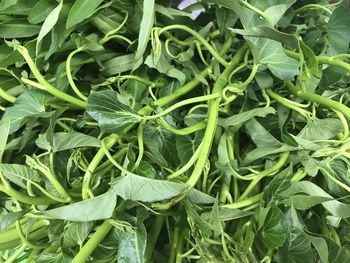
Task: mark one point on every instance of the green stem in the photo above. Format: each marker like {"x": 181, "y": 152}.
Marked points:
{"x": 17, "y": 253}
{"x": 137, "y": 78}
{"x": 327, "y": 102}
{"x": 51, "y": 177}
{"x": 110, "y": 141}
{"x": 184, "y": 131}
{"x": 69, "y": 74}
{"x": 153, "y": 237}
{"x": 275, "y": 168}
{"x": 7, "y": 96}
{"x": 48, "y": 87}
{"x": 322, "y": 60}
{"x": 258, "y": 11}
{"x": 244, "y": 203}
{"x": 313, "y": 6}
{"x": 306, "y": 114}
{"x": 24, "y": 239}
{"x": 31, "y": 200}
{"x": 213, "y": 111}
{"x": 95, "y": 239}
{"x": 183, "y": 103}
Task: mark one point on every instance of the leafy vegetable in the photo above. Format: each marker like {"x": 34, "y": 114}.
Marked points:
{"x": 133, "y": 131}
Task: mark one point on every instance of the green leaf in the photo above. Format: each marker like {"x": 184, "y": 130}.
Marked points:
{"x": 97, "y": 208}
{"x": 278, "y": 185}
{"x": 111, "y": 115}
{"x": 48, "y": 24}
{"x": 7, "y": 3}
{"x": 76, "y": 233}
{"x": 140, "y": 235}
{"x": 138, "y": 188}
{"x": 81, "y": 10}
{"x": 160, "y": 144}
{"x": 321, "y": 129}
{"x": 276, "y": 9}
{"x": 338, "y": 31}
{"x": 18, "y": 28}
{"x": 5, "y": 124}
{"x": 145, "y": 31}
{"x": 260, "y": 136}
{"x": 9, "y": 218}
{"x": 275, "y": 228}
{"x": 118, "y": 64}
{"x": 47, "y": 257}
{"x": 41, "y": 10}
{"x": 68, "y": 140}
{"x": 335, "y": 207}
{"x": 186, "y": 146}
{"x": 19, "y": 174}
{"x": 270, "y": 53}
{"x": 239, "y": 119}
{"x": 228, "y": 214}
{"x": 30, "y": 104}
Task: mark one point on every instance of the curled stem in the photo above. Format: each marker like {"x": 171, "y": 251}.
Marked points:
{"x": 198, "y": 37}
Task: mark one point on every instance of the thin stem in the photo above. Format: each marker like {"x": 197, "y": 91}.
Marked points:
{"x": 183, "y": 103}
{"x": 24, "y": 240}
{"x": 184, "y": 131}
{"x": 258, "y": 11}
{"x": 137, "y": 78}
{"x": 188, "y": 165}
{"x": 313, "y": 6}
{"x": 275, "y": 168}
{"x": 36, "y": 164}
{"x": 69, "y": 74}
{"x": 140, "y": 144}
{"x": 288, "y": 104}
{"x": 17, "y": 253}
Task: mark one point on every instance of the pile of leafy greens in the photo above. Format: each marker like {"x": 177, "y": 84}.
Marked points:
{"x": 132, "y": 132}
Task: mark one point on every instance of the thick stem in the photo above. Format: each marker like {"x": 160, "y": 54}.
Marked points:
{"x": 93, "y": 242}
{"x": 153, "y": 237}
